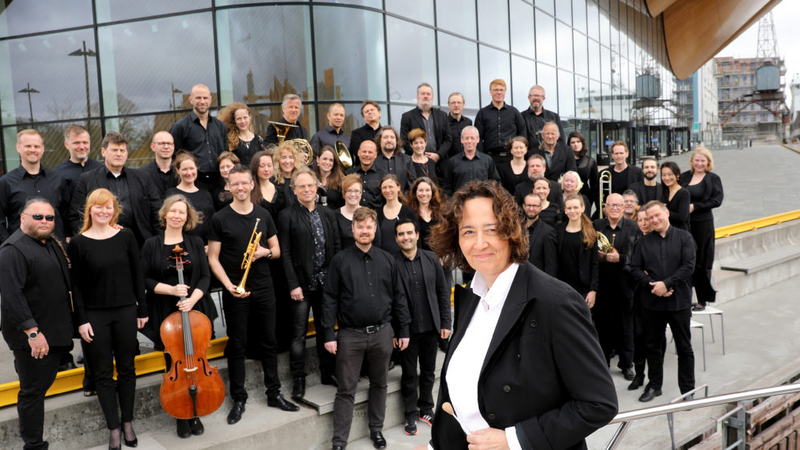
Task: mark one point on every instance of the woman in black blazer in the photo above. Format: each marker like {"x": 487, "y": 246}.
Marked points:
{"x": 540, "y": 376}
{"x": 578, "y": 263}
{"x": 705, "y": 192}
{"x": 676, "y": 198}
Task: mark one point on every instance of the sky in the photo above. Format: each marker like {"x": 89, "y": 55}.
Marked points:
{"x": 784, "y": 16}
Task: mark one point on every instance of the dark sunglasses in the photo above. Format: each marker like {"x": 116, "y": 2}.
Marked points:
{"x": 48, "y": 217}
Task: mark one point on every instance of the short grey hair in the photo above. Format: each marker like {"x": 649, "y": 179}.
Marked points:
{"x": 470, "y": 127}
{"x": 288, "y": 97}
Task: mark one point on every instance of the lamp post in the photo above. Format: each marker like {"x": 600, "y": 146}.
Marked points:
{"x": 174, "y": 105}
{"x": 29, "y": 90}
{"x": 86, "y": 53}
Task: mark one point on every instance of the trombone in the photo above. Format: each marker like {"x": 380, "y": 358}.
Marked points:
{"x": 604, "y": 188}
{"x": 247, "y": 261}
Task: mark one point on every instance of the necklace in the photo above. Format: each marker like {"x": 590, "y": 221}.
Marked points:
{"x": 424, "y": 168}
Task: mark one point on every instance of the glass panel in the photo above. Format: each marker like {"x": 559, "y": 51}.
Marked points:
{"x": 605, "y": 64}
{"x": 616, "y": 71}
{"x": 460, "y": 57}
{"x": 592, "y": 20}
{"x": 49, "y": 77}
{"x": 564, "y": 47}
{"x": 494, "y": 64}
{"x": 139, "y": 131}
{"x": 137, "y": 79}
{"x": 564, "y": 11}
{"x": 363, "y": 31}
{"x": 492, "y": 22}
{"x": 34, "y": 16}
{"x": 623, "y": 44}
{"x": 579, "y": 15}
{"x": 547, "y": 78}
{"x": 524, "y": 76}
{"x": 607, "y": 102}
{"x": 581, "y": 54}
{"x": 614, "y": 36}
{"x": 582, "y": 99}
{"x": 113, "y": 10}
{"x": 408, "y": 66}
{"x": 595, "y": 102}
{"x": 265, "y": 53}
{"x": 457, "y": 16}
{"x": 594, "y": 59}
{"x": 545, "y": 38}
{"x": 54, "y": 151}
{"x": 546, "y": 5}
{"x": 566, "y": 95}
{"x": 617, "y": 103}
{"x": 605, "y": 33}
{"x": 419, "y": 10}
{"x": 522, "y": 38}
{"x": 263, "y": 114}
{"x": 373, "y": 3}
{"x": 352, "y": 116}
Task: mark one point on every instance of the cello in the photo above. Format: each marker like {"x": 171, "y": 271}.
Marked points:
{"x": 191, "y": 386}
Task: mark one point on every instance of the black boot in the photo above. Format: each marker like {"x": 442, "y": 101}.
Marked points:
{"x": 299, "y": 389}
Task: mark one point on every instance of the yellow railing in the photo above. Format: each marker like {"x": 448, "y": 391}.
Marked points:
{"x": 753, "y": 225}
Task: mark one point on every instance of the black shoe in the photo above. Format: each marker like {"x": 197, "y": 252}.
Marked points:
{"x": 299, "y": 389}
{"x": 628, "y": 374}
{"x": 411, "y": 426}
{"x": 89, "y": 393}
{"x": 637, "y": 382}
{"x": 330, "y": 380}
{"x": 391, "y": 364}
{"x": 80, "y": 358}
{"x": 377, "y": 438}
{"x": 184, "y": 432}
{"x": 133, "y": 442}
{"x": 649, "y": 394}
{"x": 698, "y": 307}
{"x": 236, "y": 413}
{"x": 196, "y": 426}
{"x": 280, "y": 402}
{"x": 427, "y": 418}
{"x": 111, "y": 439}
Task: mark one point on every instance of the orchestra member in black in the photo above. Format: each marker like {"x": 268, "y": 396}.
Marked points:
{"x": 241, "y": 137}
{"x": 570, "y": 184}
{"x": 676, "y": 198}
{"x": 265, "y": 194}
{"x": 110, "y": 306}
{"x": 662, "y": 265}
{"x": 334, "y": 132}
{"x": 705, "y": 192}
{"x": 288, "y": 160}
{"x": 536, "y": 117}
{"x": 370, "y": 175}
{"x": 351, "y": 187}
{"x": 428, "y": 295}
{"x": 550, "y": 212}
{"x": 202, "y": 135}
{"x": 426, "y": 200}
{"x": 515, "y": 170}
{"x": 585, "y": 165}
{"x": 161, "y": 170}
{"x": 559, "y": 158}
{"x": 200, "y": 200}
{"x": 291, "y": 107}
{"x": 37, "y": 311}
{"x": 649, "y": 188}
{"x": 309, "y": 237}
{"x": 161, "y": 279}
{"x": 456, "y": 121}
{"x": 222, "y": 193}
{"x": 613, "y": 311}
{"x": 330, "y": 174}
{"x": 78, "y": 142}
{"x": 419, "y": 165}
{"x": 623, "y": 174}
{"x": 433, "y": 120}
{"x": 365, "y": 295}
{"x": 630, "y": 204}
{"x": 250, "y": 315}
{"x": 371, "y": 113}
{"x": 498, "y": 122}
{"x": 391, "y": 212}
{"x": 31, "y": 179}
{"x": 470, "y": 164}
{"x": 577, "y": 251}
{"x": 541, "y": 237}
{"x": 135, "y": 192}
{"x": 391, "y": 160}
{"x": 536, "y": 169}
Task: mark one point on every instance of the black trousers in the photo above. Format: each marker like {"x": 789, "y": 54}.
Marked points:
{"x": 114, "y": 340}
{"x": 35, "y": 378}
{"x": 614, "y": 323}
{"x": 656, "y": 325}
{"x": 353, "y": 346}
{"x": 88, "y": 370}
{"x": 251, "y": 331}
{"x": 297, "y": 350}
{"x": 703, "y": 234}
{"x": 421, "y": 347}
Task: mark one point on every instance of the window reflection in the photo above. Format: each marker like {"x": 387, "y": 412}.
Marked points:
{"x": 579, "y": 15}
{"x": 494, "y": 64}
{"x": 458, "y": 59}
{"x": 581, "y": 54}
{"x": 592, "y": 19}
{"x": 564, "y": 47}
{"x": 546, "y": 77}
{"x": 34, "y": 16}
{"x": 493, "y": 22}
{"x": 566, "y": 95}
{"x": 545, "y": 42}
{"x": 419, "y": 10}
{"x": 41, "y": 81}
{"x": 522, "y": 39}
{"x": 605, "y": 33}
{"x": 605, "y": 65}
{"x": 582, "y": 99}
{"x": 595, "y": 100}
{"x": 546, "y": 5}
{"x": 355, "y": 71}
{"x": 139, "y": 131}
{"x": 352, "y": 117}
{"x": 111, "y": 10}
{"x": 412, "y": 59}
{"x": 564, "y": 10}
{"x": 524, "y": 77}
{"x": 457, "y": 16}
{"x": 594, "y": 59}
{"x": 607, "y": 102}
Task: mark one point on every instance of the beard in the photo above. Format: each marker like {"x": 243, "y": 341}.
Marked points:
{"x": 648, "y": 176}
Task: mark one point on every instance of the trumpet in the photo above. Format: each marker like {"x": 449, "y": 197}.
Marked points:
{"x": 604, "y": 187}
{"x": 247, "y": 261}
{"x": 603, "y": 244}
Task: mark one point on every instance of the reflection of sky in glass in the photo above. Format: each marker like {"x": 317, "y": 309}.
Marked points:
{"x": 33, "y": 16}
{"x": 457, "y": 16}
{"x": 545, "y": 38}
{"x": 522, "y": 40}
{"x": 43, "y": 62}
{"x": 579, "y": 53}
{"x": 564, "y": 11}
{"x": 546, "y": 5}
{"x": 419, "y": 10}
{"x": 494, "y": 64}
{"x": 114, "y": 10}
{"x": 579, "y": 14}
{"x": 564, "y": 47}
{"x": 546, "y": 77}
{"x": 411, "y": 59}
{"x": 492, "y": 22}
{"x": 566, "y": 94}
{"x": 458, "y": 70}
{"x": 524, "y": 77}
{"x": 592, "y": 19}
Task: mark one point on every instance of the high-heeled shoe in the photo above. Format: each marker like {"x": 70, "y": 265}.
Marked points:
{"x": 133, "y": 442}
{"x": 119, "y": 445}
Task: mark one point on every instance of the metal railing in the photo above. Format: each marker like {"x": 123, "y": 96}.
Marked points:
{"x": 734, "y": 418}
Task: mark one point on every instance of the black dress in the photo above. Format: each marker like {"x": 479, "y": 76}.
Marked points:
{"x": 221, "y": 196}
{"x": 277, "y": 203}
{"x": 550, "y": 215}
{"x": 508, "y": 178}
{"x": 247, "y": 149}
{"x": 203, "y": 202}
{"x": 569, "y": 260}
{"x": 386, "y": 228}
{"x": 705, "y": 196}
{"x": 679, "y": 208}
{"x": 587, "y": 170}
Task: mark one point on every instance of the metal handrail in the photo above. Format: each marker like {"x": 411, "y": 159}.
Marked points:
{"x": 625, "y": 417}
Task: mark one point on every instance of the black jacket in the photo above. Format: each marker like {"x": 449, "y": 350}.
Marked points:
{"x": 669, "y": 259}
{"x": 436, "y": 287}
{"x": 563, "y": 161}
{"x": 536, "y": 123}
{"x": 712, "y": 195}
{"x": 544, "y": 372}
{"x": 441, "y": 129}
{"x": 589, "y": 269}
{"x": 639, "y": 188}
{"x": 297, "y": 243}
{"x": 542, "y": 245}
{"x": 615, "y": 275}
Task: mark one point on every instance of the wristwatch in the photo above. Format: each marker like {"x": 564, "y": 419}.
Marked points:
{"x": 269, "y": 255}
{"x": 32, "y": 335}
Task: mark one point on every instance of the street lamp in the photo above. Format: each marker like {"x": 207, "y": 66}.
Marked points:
{"x": 29, "y": 90}
{"x": 86, "y": 53}
{"x": 174, "y": 104}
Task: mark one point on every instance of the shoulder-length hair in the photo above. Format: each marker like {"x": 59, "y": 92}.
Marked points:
{"x": 579, "y": 135}
{"x": 100, "y": 197}
{"x": 298, "y": 161}
{"x": 228, "y": 117}
{"x": 337, "y": 173}
{"x": 587, "y": 227}
{"x": 700, "y": 150}
{"x": 193, "y": 217}
{"x": 436, "y": 198}
{"x": 444, "y": 236}
{"x": 390, "y": 176}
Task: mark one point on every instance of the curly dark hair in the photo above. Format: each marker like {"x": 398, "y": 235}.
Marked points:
{"x": 437, "y": 198}
{"x": 444, "y": 238}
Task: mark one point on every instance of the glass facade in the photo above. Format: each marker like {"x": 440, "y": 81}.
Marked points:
{"x": 129, "y": 66}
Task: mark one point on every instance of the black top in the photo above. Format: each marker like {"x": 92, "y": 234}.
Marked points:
{"x": 525, "y": 187}
{"x": 621, "y": 180}
{"x": 542, "y": 247}
{"x": 298, "y": 132}
{"x": 498, "y": 126}
{"x": 678, "y": 208}
{"x": 359, "y": 135}
{"x": 536, "y": 122}
{"x": 202, "y": 201}
{"x": 569, "y": 260}
{"x": 329, "y": 136}
{"x": 107, "y": 273}
{"x": 396, "y": 165}
{"x": 705, "y": 195}
{"x": 386, "y": 228}
{"x": 163, "y": 181}
{"x": 17, "y": 186}
{"x": 614, "y": 279}
{"x": 559, "y": 162}
{"x": 222, "y": 197}
{"x": 233, "y": 231}
{"x": 460, "y": 170}
{"x": 586, "y": 167}
{"x": 206, "y": 144}
{"x": 646, "y": 193}
{"x": 551, "y": 215}
{"x": 424, "y": 232}
{"x": 585, "y": 267}
{"x": 669, "y": 259}
{"x": 34, "y": 286}
{"x": 371, "y": 179}
{"x": 411, "y": 272}
{"x": 508, "y": 178}
{"x": 277, "y": 204}
{"x": 247, "y": 149}
{"x": 417, "y": 170}
{"x": 456, "y": 127}
{"x": 364, "y": 289}
{"x": 72, "y": 171}
{"x": 436, "y": 127}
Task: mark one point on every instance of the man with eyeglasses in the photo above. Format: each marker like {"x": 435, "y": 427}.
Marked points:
{"x": 613, "y": 307}
{"x": 457, "y": 121}
{"x": 36, "y": 311}
{"x": 541, "y": 237}
{"x": 31, "y": 179}
{"x": 160, "y": 170}
{"x": 498, "y": 122}
{"x": 536, "y": 117}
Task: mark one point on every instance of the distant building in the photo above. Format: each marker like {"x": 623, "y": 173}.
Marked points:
{"x": 795, "y": 110}
{"x": 698, "y": 105}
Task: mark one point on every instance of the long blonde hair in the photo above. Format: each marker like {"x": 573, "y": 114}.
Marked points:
{"x": 587, "y": 227}
{"x": 99, "y": 197}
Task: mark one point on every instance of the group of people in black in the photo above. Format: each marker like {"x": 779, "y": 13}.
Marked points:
{"x": 350, "y": 245}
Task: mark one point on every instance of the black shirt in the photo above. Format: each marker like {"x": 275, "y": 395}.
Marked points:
{"x": 397, "y": 165}
{"x": 359, "y": 135}
{"x": 364, "y": 289}
{"x": 386, "y": 228}
{"x": 201, "y": 201}
{"x": 206, "y": 144}
{"x": 461, "y": 170}
{"x": 619, "y": 180}
{"x": 71, "y": 171}
{"x": 418, "y": 304}
{"x": 678, "y": 208}
{"x": 508, "y": 178}
{"x": 329, "y": 136}
{"x": 163, "y": 181}
{"x": 535, "y": 124}
{"x": 298, "y": 132}
{"x": 498, "y": 126}
{"x": 18, "y": 186}
{"x": 669, "y": 259}
{"x": 456, "y": 127}
{"x": 247, "y": 149}
{"x": 586, "y": 167}
{"x": 371, "y": 196}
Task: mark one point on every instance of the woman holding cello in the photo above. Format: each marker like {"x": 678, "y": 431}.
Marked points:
{"x": 167, "y": 293}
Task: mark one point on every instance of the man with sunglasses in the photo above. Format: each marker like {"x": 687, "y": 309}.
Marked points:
{"x": 36, "y": 306}
{"x": 31, "y": 179}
